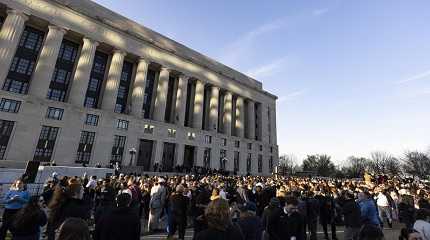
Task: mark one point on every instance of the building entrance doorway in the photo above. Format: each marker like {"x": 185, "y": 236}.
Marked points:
{"x": 144, "y": 157}
{"x": 189, "y": 154}
{"x": 168, "y": 157}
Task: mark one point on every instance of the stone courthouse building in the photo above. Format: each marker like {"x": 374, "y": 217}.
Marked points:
{"x": 81, "y": 84}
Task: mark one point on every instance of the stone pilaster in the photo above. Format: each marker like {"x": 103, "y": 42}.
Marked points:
{"x": 240, "y": 117}
{"x": 198, "y": 105}
{"x": 113, "y": 79}
{"x": 180, "y": 148}
{"x": 10, "y": 34}
{"x": 181, "y": 100}
{"x": 83, "y": 72}
{"x": 213, "y": 109}
{"x": 251, "y": 120}
{"x": 139, "y": 85}
{"x": 161, "y": 98}
{"x": 47, "y": 60}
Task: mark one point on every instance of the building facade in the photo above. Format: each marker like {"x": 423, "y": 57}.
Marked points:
{"x": 81, "y": 84}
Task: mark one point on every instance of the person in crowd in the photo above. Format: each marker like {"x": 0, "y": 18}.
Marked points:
{"x": 178, "y": 212}
{"x": 200, "y": 200}
{"x": 422, "y": 224}
{"x": 327, "y": 212}
{"x": 406, "y": 210}
{"x": 220, "y": 227}
{"x": 66, "y": 203}
{"x": 156, "y": 204}
{"x": 292, "y": 223}
{"x": 28, "y": 221}
{"x": 248, "y": 221}
{"x": 270, "y": 219}
{"x": 74, "y": 229}
{"x": 122, "y": 222}
{"x": 14, "y": 200}
{"x": 409, "y": 234}
{"x": 312, "y": 213}
{"x": 384, "y": 203}
{"x": 369, "y": 212}
{"x": 352, "y": 216}
{"x": 371, "y": 232}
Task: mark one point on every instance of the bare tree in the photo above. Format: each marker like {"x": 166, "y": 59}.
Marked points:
{"x": 355, "y": 166}
{"x": 288, "y": 162}
{"x": 321, "y": 164}
{"x": 416, "y": 163}
{"x": 384, "y": 163}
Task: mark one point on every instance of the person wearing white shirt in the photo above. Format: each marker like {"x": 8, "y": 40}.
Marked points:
{"x": 422, "y": 224}
{"x": 384, "y": 207}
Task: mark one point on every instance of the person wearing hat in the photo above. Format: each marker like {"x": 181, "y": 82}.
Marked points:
{"x": 156, "y": 204}
{"x": 178, "y": 204}
{"x": 249, "y": 223}
{"x": 270, "y": 218}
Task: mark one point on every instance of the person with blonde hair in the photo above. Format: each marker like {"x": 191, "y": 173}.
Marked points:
{"x": 220, "y": 226}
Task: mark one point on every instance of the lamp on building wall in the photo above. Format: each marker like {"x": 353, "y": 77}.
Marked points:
{"x": 132, "y": 152}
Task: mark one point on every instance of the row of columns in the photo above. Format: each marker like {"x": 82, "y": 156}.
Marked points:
{"x": 9, "y": 38}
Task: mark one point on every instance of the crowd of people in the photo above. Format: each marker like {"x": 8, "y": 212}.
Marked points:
{"x": 217, "y": 206}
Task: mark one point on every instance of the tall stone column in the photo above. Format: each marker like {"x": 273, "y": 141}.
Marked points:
{"x": 47, "y": 60}
{"x": 10, "y": 34}
{"x": 240, "y": 117}
{"x": 161, "y": 98}
{"x": 213, "y": 109}
{"x": 198, "y": 105}
{"x": 83, "y": 72}
{"x": 251, "y": 119}
{"x": 181, "y": 100}
{"x": 139, "y": 85}
{"x": 113, "y": 79}
{"x": 159, "y": 148}
{"x": 228, "y": 107}
{"x": 273, "y": 123}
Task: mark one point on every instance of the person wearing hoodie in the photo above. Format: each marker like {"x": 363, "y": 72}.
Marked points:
{"x": 422, "y": 224}
{"x": 122, "y": 222}
{"x": 249, "y": 223}
{"x": 369, "y": 212}
{"x": 271, "y": 216}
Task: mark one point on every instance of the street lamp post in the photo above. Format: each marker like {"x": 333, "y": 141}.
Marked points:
{"x": 132, "y": 152}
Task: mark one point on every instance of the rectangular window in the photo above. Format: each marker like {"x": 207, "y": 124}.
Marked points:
{"x": 122, "y": 124}
{"x": 96, "y": 79}
{"x": 207, "y": 158}
{"x": 63, "y": 71}
{"x": 249, "y": 146}
{"x": 118, "y": 149}
{"x": 124, "y": 86}
{"x": 237, "y": 144}
{"x": 208, "y": 139}
{"x": 271, "y": 163}
{"x": 54, "y": 113}
{"x": 46, "y": 143}
{"x": 92, "y": 120}
{"x": 171, "y": 132}
{"x": 249, "y": 163}
{"x": 9, "y": 105}
{"x": 271, "y": 149}
{"x": 85, "y": 147}
{"x": 6, "y": 128}
{"x": 236, "y": 161}
{"x": 24, "y": 61}
{"x": 224, "y": 142}
{"x": 260, "y": 163}
{"x": 149, "y": 89}
{"x": 222, "y": 159}
{"x": 261, "y": 148}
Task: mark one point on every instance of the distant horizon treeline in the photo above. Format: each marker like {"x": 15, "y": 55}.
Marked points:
{"x": 412, "y": 163}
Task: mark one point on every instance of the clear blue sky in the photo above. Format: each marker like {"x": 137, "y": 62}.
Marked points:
{"x": 351, "y": 76}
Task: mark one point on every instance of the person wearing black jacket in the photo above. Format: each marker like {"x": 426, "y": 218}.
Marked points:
{"x": 327, "y": 213}
{"x": 122, "y": 222}
{"x": 312, "y": 213}
{"x": 67, "y": 202}
{"x": 270, "y": 218}
{"x": 28, "y": 221}
{"x": 249, "y": 223}
{"x": 291, "y": 222}
{"x": 178, "y": 212}
{"x": 352, "y": 216}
